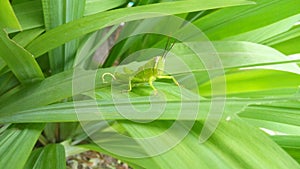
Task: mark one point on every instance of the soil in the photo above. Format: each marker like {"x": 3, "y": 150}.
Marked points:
{"x": 94, "y": 160}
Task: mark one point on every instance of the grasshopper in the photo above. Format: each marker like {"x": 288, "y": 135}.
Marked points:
{"x": 148, "y": 73}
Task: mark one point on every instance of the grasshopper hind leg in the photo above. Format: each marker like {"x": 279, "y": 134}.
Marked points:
{"x": 169, "y": 77}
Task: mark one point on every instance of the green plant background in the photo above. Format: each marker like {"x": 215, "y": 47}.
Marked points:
{"x": 41, "y": 40}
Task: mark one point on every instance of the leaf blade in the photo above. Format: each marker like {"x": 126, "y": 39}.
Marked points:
{"x": 10, "y": 149}
{"x": 97, "y": 21}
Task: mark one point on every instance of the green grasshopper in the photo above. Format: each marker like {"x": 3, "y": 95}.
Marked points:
{"x": 149, "y": 72}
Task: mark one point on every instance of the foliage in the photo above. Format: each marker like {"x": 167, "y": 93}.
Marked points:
{"x": 53, "y": 102}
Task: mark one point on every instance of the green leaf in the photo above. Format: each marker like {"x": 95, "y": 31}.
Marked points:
{"x": 273, "y": 128}
{"x": 3, "y": 68}
{"x": 97, "y": 21}
{"x": 237, "y": 54}
{"x": 50, "y": 132}
{"x": 67, "y": 130}
{"x": 30, "y": 15}
{"x": 8, "y": 18}
{"x": 20, "y": 61}
{"x": 58, "y": 87}
{"x": 52, "y": 156}
{"x": 277, "y": 117}
{"x": 25, "y": 37}
{"x": 57, "y": 13}
{"x": 50, "y": 90}
{"x": 289, "y": 46}
{"x": 287, "y": 41}
{"x": 109, "y": 109}
{"x": 272, "y": 29}
{"x": 232, "y": 138}
{"x": 95, "y": 6}
{"x": 66, "y": 112}
{"x": 16, "y": 144}
{"x": 253, "y": 23}
{"x": 291, "y": 144}
{"x": 280, "y": 112}
{"x": 254, "y": 81}
{"x": 8, "y": 82}
{"x": 88, "y": 47}
{"x": 290, "y": 34}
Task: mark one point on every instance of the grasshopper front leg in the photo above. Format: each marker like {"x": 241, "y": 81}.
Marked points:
{"x": 130, "y": 86}
{"x": 150, "y": 81}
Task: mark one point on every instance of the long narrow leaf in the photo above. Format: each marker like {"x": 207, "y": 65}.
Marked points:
{"x": 97, "y": 21}
{"x": 250, "y": 23}
{"x": 108, "y": 109}
{"x": 25, "y": 37}
{"x": 237, "y": 54}
{"x": 8, "y": 18}
{"x": 16, "y": 144}
{"x": 57, "y": 13}
{"x": 93, "y": 6}
{"x": 248, "y": 81}
{"x": 20, "y": 61}
{"x": 280, "y": 112}
{"x": 51, "y": 156}
{"x": 286, "y": 42}
{"x": 48, "y": 91}
{"x": 229, "y": 147}
{"x": 30, "y": 15}
{"x": 290, "y": 144}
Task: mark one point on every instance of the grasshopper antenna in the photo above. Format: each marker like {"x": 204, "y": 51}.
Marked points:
{"x": 167, "y": 50}
{"x": 107, "y": 73}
